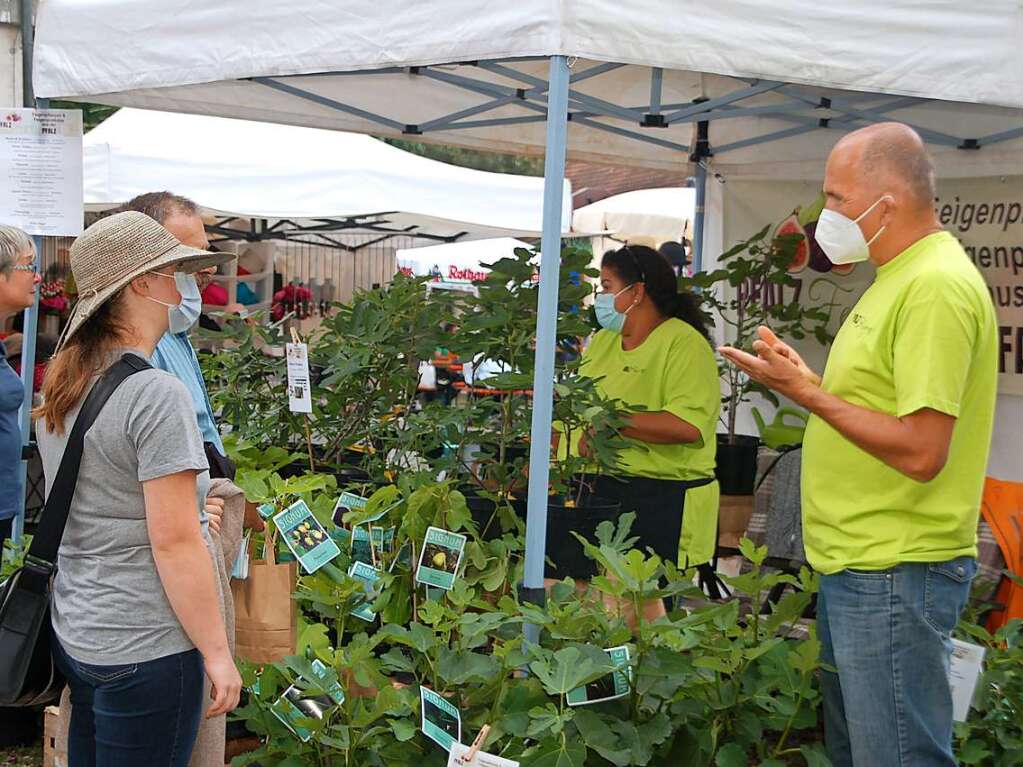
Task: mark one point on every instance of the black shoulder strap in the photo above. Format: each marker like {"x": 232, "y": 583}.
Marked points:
{"x": 46, "y": 540}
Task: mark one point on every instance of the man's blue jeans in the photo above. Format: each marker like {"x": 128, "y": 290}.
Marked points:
{"x": 887, "y": 634}
{"x": 133, "y": 715}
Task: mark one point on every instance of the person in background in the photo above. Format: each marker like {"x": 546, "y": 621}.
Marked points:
{"x": 19, "y": 276}
{"x": 174, "y": 353}
{"x": 676, "y": 254}
{"x": 135, "y": 611}
{"x": 654, "y": 353}
{"x": 894, "y": 455}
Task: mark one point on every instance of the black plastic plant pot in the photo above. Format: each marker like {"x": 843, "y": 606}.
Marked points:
{"x": 567, "y": 558}
{"x": 737, "y": 464}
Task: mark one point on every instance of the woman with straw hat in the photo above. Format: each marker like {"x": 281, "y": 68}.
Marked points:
{"x": 135, "y": 613}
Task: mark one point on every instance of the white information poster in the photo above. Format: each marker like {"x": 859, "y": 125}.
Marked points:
{"x": 41, "y": 170}
{"x": 299, "y": 397}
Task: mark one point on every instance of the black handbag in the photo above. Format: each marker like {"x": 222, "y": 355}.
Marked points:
{"x": 28, "y": 675}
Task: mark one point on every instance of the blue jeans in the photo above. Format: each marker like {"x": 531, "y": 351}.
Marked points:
{"x": 141, "y": 714}
{"x": 887, "y": 634}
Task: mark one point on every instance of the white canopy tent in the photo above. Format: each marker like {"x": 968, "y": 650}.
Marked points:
{"x": 739, "y": 88}
{"x": 643, "y": 217}
{"x": 302, "y": 181}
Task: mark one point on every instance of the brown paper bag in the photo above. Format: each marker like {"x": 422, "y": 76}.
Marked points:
{"x": 265, "y": 615}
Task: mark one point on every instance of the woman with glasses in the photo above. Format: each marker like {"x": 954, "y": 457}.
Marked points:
{"x": 18, "y": 280}
{"x": 653, "y": 355}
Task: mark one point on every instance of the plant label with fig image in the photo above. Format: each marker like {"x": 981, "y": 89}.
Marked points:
{"x": 299, "y": 396}
{"x": 305, "y": 537}
{"x": 440, "y": 558}
{"x": 459, "y": 752}
{"x": 294, "y": 706}
{"x": 963, "y": 674}
{"x": 383, "y": 543}
{"x": 347, "y": 502}
{"x": 442, "y": 722}
{"x": 609, "y": 687}
{"x": 369, "y": 575}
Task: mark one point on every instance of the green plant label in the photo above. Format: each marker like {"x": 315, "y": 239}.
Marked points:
{"x": 294, "y": 706}
{"x": 327, "y": 680}
{"x": 347, "y": 502}
{"x": 608, "y": 687}
{"x": 440, "y": 558}
{"x": 305, "y": 537}
{"x": 383, "y": 543}
{"x": 442, "y": 722}
{"x": 369, "y": 575}
{"x": 266, "y": 510}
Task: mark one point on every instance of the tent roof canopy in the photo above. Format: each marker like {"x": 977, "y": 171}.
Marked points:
{"x": 317, "y": 181}
{"x": 794, "y": 74}
{"x": 655, "y": 214}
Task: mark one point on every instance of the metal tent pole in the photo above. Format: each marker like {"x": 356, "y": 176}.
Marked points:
{"x": 701, "y": 151}
{"x": 28, "y": 369}
{"x": 701, "y": 199}
{"x": 546, "y": 332}
{"x": 31, "y": 323}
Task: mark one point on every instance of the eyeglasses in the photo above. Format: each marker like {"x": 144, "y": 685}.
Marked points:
{"x": 32, "y": 267}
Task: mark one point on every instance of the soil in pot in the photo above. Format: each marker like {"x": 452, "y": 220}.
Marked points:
{"x": 737, "y": 464}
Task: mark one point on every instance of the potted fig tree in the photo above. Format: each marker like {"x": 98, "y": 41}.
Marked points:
{"x": 752, "y": 287}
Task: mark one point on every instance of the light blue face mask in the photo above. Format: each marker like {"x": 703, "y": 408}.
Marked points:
{"x": 182, "y": 316}
{"x": 608, "y": 317}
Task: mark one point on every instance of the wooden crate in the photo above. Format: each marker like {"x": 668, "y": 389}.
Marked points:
{"x": 734, "y": 516}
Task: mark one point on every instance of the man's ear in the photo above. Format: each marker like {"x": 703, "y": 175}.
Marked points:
{"x": 889, "y": 208}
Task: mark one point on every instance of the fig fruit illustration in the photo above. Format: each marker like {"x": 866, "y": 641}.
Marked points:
{"x": 791, "y": 225}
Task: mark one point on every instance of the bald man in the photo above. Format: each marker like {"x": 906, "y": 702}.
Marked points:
{"x": 894, "y": 455}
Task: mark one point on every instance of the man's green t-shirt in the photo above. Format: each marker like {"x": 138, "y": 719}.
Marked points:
{"x": 924, "y": 335}
{"x": 673, "y": 370}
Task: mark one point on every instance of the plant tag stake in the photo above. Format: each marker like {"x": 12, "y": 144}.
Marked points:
{"x": 609, "y": 687}
{"x": 305, "y": 537}
{"x": 299, "y": 396}
{"x": 441, "y": 722}
{"x": 440, "y": 558}
{"x": 963, "y": 674}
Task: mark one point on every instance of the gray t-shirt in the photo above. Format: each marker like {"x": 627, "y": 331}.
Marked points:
{"x": 109, "y": 605}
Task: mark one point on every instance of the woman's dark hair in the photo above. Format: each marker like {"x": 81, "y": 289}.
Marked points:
{"x": 637, "y": 263}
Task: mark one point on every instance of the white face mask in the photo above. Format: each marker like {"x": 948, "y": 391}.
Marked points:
{"x": 183, "y": 315}
{"x": 841, "y": 238}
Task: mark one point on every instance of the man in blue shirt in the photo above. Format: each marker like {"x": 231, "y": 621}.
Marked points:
{"x": 174, "y": 353}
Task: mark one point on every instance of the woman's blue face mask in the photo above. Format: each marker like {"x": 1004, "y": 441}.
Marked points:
{"x": 608, "y": 317}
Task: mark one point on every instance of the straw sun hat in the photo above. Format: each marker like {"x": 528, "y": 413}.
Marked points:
{"x": 117, "y": 249}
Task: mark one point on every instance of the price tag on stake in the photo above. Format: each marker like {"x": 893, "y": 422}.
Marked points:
{"x": 459, "y": 757}
{"x": 963, "y": 675}
{"x": 299, "y": 396}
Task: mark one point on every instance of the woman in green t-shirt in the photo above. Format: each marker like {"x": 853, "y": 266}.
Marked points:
{"x": 654, "y": 356}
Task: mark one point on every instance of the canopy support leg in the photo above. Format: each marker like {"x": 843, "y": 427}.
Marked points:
{"x": 546, "y": 333}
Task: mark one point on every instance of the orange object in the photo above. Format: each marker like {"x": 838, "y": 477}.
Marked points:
{"x": 1002, "y": 507}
